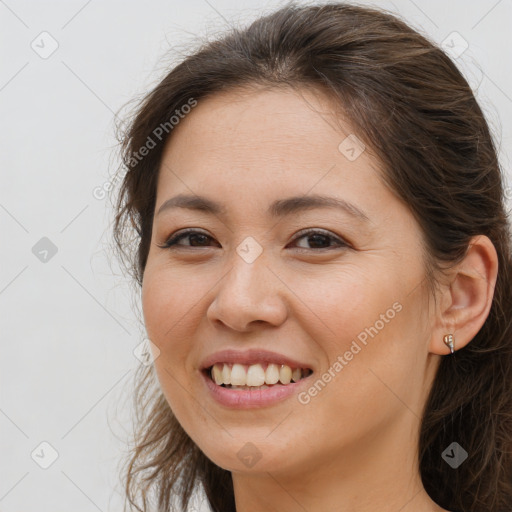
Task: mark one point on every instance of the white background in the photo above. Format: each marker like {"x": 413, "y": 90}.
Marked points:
{"x": 68, "y": 326}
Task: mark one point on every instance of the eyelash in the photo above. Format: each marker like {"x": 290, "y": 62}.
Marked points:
{"x": 171, "y": 243}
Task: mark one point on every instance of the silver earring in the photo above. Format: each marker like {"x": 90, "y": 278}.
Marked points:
{"x": 448, "y": 340}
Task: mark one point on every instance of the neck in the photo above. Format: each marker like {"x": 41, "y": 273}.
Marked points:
{"x": 376, "y": 473}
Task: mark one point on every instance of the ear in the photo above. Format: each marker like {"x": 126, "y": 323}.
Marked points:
{"x": 466, "y": 297}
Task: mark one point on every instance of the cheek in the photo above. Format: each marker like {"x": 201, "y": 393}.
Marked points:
{"x": 168, "y": 309}
{"x": 168, "y": 300}
{"x": 156, "y": 300}
{"x": 173, "y": 303}
{"x": 340, "y": 304}
{"x": 366, "y": 323}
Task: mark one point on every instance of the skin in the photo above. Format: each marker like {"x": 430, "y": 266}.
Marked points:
{"x": 353, "y": 447}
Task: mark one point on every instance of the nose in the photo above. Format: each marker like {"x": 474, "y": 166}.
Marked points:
{"x": 249, "y": 294}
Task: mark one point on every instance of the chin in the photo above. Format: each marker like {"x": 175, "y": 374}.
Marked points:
{"x": 241, "y": 455}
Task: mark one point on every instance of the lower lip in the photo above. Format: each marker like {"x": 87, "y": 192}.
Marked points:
{"x": 247, "y": 398}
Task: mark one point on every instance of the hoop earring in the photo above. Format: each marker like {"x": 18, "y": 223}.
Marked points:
{"x": 449, "y": 341}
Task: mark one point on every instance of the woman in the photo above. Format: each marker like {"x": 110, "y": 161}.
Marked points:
{"x": 324, "y": 261}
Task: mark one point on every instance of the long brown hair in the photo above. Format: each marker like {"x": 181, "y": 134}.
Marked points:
{"x": 410, "y": 105}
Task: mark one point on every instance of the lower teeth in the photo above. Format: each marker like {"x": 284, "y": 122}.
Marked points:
{"x": 264, "y": 386}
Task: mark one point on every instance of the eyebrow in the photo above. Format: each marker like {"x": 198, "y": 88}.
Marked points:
{"x": 279, "y": 208}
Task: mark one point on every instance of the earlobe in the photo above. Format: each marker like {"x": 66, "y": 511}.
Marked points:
{"x": 468, "y": 297}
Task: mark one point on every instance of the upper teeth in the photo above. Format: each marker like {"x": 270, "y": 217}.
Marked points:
{"x": 255, "y": 374}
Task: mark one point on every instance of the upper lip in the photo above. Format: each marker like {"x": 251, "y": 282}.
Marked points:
{"x": 251, "y": 356}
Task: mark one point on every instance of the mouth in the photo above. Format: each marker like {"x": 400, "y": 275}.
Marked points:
{"x": 257, "y": 376}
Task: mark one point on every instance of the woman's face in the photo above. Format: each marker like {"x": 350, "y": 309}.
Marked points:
{"x": 347, "y": 302}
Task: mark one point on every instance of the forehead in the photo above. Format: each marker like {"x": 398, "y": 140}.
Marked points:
{"x": 238, "y": 121}
{"x": 255, "y": 143}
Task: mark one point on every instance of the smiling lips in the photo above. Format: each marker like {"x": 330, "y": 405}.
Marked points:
{"x": 260, "y": 375}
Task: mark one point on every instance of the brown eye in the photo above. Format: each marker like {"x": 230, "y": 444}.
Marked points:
{"x": 319, "y": 239}
{"x": 196, "y": 238}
